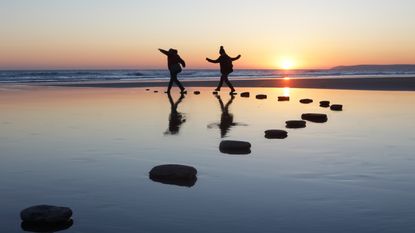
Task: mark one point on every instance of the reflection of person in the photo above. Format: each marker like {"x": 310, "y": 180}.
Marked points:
{"x": 226, "y": 67}
{"x": 226, "y": 119}
{"x": 174, "y": 61}
{"x": 176, "y": 119}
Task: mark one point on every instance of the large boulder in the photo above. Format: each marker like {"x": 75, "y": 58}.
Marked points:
{"x": 235, "y": 147}
{"x": 245, "y": 94}
{"x": 306, "y": 101}
{"x": 276, "y": 134}
{"x": 296, "y": 124}
{"x": 324, "y": 104}
{"x": 261, "y": 96}
{"x": 336, "y": 107}
{"x": 315, "y": 117}
{"x": 283, "y": 98}
{"x": 176, "y": 174}
{"x": 46, "y": 215}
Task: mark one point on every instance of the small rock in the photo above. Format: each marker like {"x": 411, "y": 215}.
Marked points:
{"x": 283, "y": 98}
{"x": 233, "y": 93}
{"x": 325, "y": 104}
{"x": 306, "y": 101}
{"x": 235, "y": 147}
{"x": 46, "y": 214}
{"x": 176, "y": 174}
{"x": 46, "y": 227}
{"x": 261, "y": 96}
{"x": 295, "y": 124}
{"x": 215, "y": 92}
{"x": 336, "y": 107}
{"x": 147, "y": 89}
{"x": 156, "y": 91}
{"x": 314, "y": 117}
{"x": 276, "y": 134}
{"x": 196, "y": 92}
{"x": 245, "y": 94}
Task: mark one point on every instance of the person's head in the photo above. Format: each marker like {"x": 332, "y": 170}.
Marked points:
{"x": 222, "y": 51}
{"x": 173, "y": 51}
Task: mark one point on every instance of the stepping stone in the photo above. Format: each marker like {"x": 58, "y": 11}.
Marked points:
{"x": 32, "y": 227}
{"x": 325, "y": 104}
{"x": 283, "y": 98}
{"x": 336, "y": 107}
{"x": 276, "y": 134}
{"x": 296, "y": 124}
{"x": 175, "y": 174}
{"x": 245, "y": 94}
{"x": 306, "y": 101}
{"x": 46, "y": 215}
{"x": 261, "y": 96}
{"x": 196, "y": 92}
{"x": 315, "y": 117}
{"x": 235, "y": 147}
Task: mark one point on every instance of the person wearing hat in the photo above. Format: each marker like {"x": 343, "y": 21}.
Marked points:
{"x": 174, "y": 61}
{"x": 226, "y": 67}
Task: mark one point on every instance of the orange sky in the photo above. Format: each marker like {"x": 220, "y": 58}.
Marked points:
{"x": 126, "y": 34}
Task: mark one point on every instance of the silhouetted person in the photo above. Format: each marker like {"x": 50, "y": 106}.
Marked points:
{"x": 226, "y": 67}
{"x": 176, "y": 119}
{"x": 174, "y": 61}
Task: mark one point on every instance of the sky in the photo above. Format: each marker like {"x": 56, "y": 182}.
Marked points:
{"x": 125, "y": 34}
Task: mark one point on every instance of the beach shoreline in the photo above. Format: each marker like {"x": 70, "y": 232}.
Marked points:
{"x": 381, "y": 84}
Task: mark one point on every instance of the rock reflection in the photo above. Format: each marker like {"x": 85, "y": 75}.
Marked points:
{"x": 30, "y": 227}
{"x": 176, "y": 118}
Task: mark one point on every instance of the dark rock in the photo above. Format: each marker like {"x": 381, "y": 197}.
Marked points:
{"x": 276, "y": 134}
{"x": 261, "y": 96}
{"x": 196, "y": 92}
{"x": 314, "y": 117}
{"x": 233, "y": 93}
{"x": 324, "y": 104}
{"x": 175, "y": 174}
{"x": 306, "y": 101}
{"x": 245, "y": 94}
{"x": 235, "y": 147}
{"x": 46, "y": 214}
{"x": 295, "y": 124}
{"x": 215, "y": 92}
{"x": 147, "y": 89}
{"x": 336, "y": 107}
{"x": 283, "y": 98}
{"x": 32, "y": 227}
{"x": 156, "y": 91}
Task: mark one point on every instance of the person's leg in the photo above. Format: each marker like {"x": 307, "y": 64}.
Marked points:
{"x": 220, "y": 83}
{"x": 226, "y": 79}
{"x": 179, "y": 84}
{"x": 171, "y": 82}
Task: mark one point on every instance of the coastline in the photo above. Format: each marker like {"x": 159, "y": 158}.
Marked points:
{"x": 380, "y": 84}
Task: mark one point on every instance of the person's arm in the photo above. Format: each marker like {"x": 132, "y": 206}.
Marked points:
{"x": 182, "y": 62}
{"x": 236, "y": 58}
{"x": 213, "y": 61}
{"x": 164, "y": 52}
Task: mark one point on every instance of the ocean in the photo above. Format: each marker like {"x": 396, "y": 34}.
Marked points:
{"x": 42, "y": 76}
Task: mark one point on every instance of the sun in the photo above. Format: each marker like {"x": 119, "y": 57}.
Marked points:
{"x": 286, "y": 64}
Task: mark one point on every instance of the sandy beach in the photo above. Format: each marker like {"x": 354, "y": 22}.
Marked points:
{"x": 392, "y": 84}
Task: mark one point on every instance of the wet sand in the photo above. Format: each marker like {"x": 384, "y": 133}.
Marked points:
{"x": 384, "y": 84}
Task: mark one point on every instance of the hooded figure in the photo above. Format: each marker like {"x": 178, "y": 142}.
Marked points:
{"x": 173, "y": 62}
{"x": 226, "y": 67}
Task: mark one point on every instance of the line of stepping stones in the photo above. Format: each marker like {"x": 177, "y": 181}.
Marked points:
{"x": 48, "y": 218}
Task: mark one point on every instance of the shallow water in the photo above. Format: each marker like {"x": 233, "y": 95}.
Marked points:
{"x": 92, "y": 149}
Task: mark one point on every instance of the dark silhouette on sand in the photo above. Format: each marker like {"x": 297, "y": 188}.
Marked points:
{"x": 176, "y": 119}
{"x": 174, "y": 61}
{"x": 226, "y": 67}
{"x": 226, "y": 119}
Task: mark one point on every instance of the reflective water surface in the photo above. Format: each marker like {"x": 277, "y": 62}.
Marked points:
{"x": 92, "y": 149}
